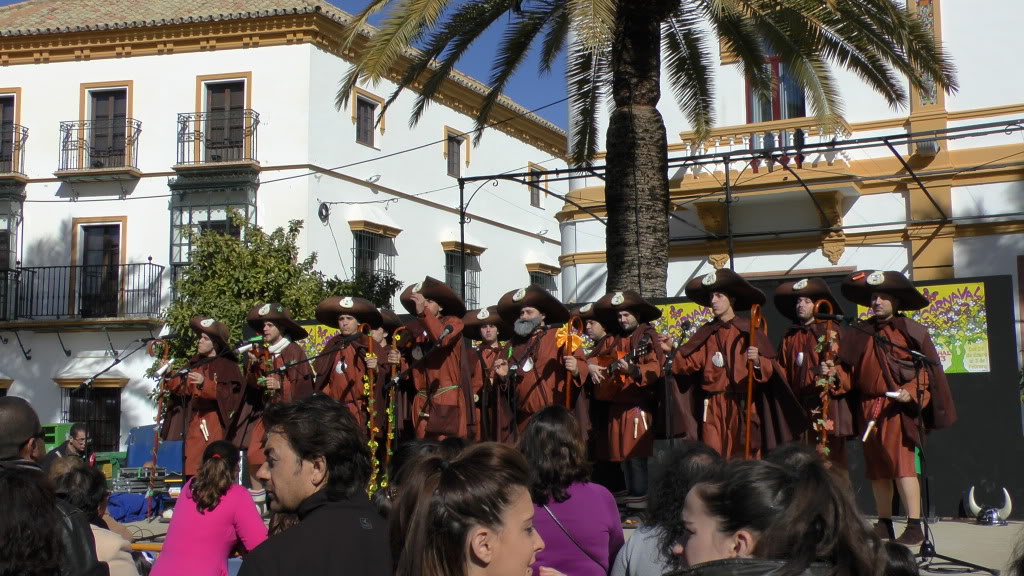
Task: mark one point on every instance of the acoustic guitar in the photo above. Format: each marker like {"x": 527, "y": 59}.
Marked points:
{"x": 615, "y": 378}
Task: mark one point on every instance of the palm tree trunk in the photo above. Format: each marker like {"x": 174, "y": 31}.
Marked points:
{"x": 636, "y": 186}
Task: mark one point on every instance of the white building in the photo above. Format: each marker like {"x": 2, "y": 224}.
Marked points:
{"x": 867, "y": 192}
{"x": 121, "y": 130}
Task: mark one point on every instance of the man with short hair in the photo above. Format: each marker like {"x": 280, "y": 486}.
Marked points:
{"x": 317, "y": 466}
{"x": 21, "y": 446}
{"x": 894, "y": 391}
{"x": 76, "y": 445}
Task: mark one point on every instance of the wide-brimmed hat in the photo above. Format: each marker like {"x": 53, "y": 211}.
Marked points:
{"x": 390, "y": 320}
{"x": 474, "y": 320}
{"x": 816, "y": 289}
{"x": 217, "y": 331}
{"x": 612, "y": 303}
{"x": 728, "y": 282}
{"x": 328, "y": 310}
{"x": 859, "y": 286}
{"x": 433, "y": 289}
{"x": 279, "y": 315}
{"x": 532, "y": 296}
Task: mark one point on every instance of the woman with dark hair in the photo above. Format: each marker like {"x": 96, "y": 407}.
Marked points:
{"x": 649, "y": 549}
{"x": 85, "y": 488}
{"x": 900, "y": 561}
{"x": 758, "y": 516}
{"x": 213, "y": 515}
{"x": 30, "y": 541}
{"x": 406, "y": 452}
{"x": 470, "y": 516}
{"x": 578, "y": 520}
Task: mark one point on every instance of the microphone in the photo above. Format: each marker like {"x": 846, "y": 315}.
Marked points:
{"x": 247, "y": 344}
{"x": 835, "y": 317}
{"x": 444, "y": 333}
{"x": 167, "y": 337}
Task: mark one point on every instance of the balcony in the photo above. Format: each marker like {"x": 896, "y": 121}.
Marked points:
{"x": 99, "y": 150}
{"x": 116, "y": 295}
{"x": 219, "y": 139}
{"x": 12, "y": 152}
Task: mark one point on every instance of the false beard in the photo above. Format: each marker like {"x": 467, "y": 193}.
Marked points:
{"x": 525, "y": 327}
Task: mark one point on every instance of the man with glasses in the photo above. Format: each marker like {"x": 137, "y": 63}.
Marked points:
{"x": 76, "y": 445}
{"x": 21, "y": 449}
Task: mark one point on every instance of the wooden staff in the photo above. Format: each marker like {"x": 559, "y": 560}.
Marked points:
{"x": 390, "y": 409}
{"x": 151, "y": 350}
{"x": 755, "y": 323}
{"x": 371, "y": 408}
{"x": 826, "y": 356}
{"x": 567, "y": 349}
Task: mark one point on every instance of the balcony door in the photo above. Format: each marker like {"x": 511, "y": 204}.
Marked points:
{"x": 100, "y": 274}
{"x": 7, "y": 163}
{"x": 225, "y": 122}
{"x": 106, "y": 132}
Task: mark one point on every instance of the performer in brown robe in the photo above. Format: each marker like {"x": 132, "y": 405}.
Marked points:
{"x": 600, "y": 330}
{"x": 344, "y": 360}
{"x": 265, "y": 385}
{"x": 443, "y": 404}
{"x": 719, "y": 352}
{"x": 629, "y": 386}
{"x": 533, "y": 363}
{"x": 212, "y": 387}
{"x": 877, "y": 369}
{"x": 486, "y": 327}
{"x": 804, "y": 366}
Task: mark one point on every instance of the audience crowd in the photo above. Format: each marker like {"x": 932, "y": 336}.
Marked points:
{"x": 451, "y": 509}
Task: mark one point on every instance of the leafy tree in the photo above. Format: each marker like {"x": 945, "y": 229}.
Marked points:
{"x": 227, "y": 276}
{"x": 616, "y": 48}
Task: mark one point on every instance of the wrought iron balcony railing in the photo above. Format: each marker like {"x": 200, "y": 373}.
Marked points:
{"x": 99, "y": 144}
{"x": 12, "y": 148}
{"x": 77, "y": 292}
{"x": 228, "y": 136}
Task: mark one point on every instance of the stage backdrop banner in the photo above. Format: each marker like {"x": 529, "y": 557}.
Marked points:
{"x": 674, "y": 318}
{"x": 958, "y": 324}
{"x": 318, "y": 337}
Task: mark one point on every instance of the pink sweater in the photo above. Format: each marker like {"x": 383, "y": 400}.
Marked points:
{"x": 200, "y": 544}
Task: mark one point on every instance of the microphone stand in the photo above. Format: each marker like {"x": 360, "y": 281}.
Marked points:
{"x": 926, "y": 554}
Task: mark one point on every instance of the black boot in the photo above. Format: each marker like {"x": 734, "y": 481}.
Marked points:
{"x": 884, "y": 529}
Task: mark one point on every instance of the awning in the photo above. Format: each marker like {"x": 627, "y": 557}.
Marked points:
{"x": 373, "y": 219}
{"x": 85, "y": 365}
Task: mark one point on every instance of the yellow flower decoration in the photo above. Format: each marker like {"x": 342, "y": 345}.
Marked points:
{"x": 563, "y": 334}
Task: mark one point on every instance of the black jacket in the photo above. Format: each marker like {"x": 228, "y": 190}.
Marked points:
{"x": 76, "y": 535}
{"x": 58, "y": 452}
{"x": 332, "y": 537}
{"x": 746, "y": 567}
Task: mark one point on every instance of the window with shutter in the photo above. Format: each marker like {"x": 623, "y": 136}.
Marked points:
{"x": 225, "y": 121}
{"x": 366, "y": 110}
{"x": 107, "y": 127}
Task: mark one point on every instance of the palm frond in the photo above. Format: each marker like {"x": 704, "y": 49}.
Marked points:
{"x": 593, "y": 21}
{"x": 445, "y": 48}
{"x": 737, "y": 34}
{"x": 588, "y": 75}
{"x": 350, "y": 31}
{"x": 687, "y": 63}
{"x": 511, "y": 52}
{"x": 555, "y": 37}
{"x": 402, "y": 25}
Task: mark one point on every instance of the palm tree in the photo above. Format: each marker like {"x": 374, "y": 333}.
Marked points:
{"x": 616, "y": 49}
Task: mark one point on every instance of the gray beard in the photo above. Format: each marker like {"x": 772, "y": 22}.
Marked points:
{"x": 526, "y": 327}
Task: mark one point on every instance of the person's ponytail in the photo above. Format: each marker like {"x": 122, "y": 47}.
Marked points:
{"x": 215, "y": 476}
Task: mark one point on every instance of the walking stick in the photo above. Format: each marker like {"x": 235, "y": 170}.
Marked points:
{"x": 571, "y": 342}
{"x": 755, "y": 323}
{"x": 369, "y": 379}
{"x": 151, "y": 350}
{"x": 825, "y": 355}
{"x": 390, "y": 412}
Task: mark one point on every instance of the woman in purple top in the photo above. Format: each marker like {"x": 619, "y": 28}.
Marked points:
{"x": 212, "y": 516}
{"x": 578, "y": 521}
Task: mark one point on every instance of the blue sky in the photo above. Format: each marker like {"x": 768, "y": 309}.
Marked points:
{"x": 528, "y": 88}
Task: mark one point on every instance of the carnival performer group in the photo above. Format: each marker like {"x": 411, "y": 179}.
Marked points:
{"x": 480, "y": 374}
